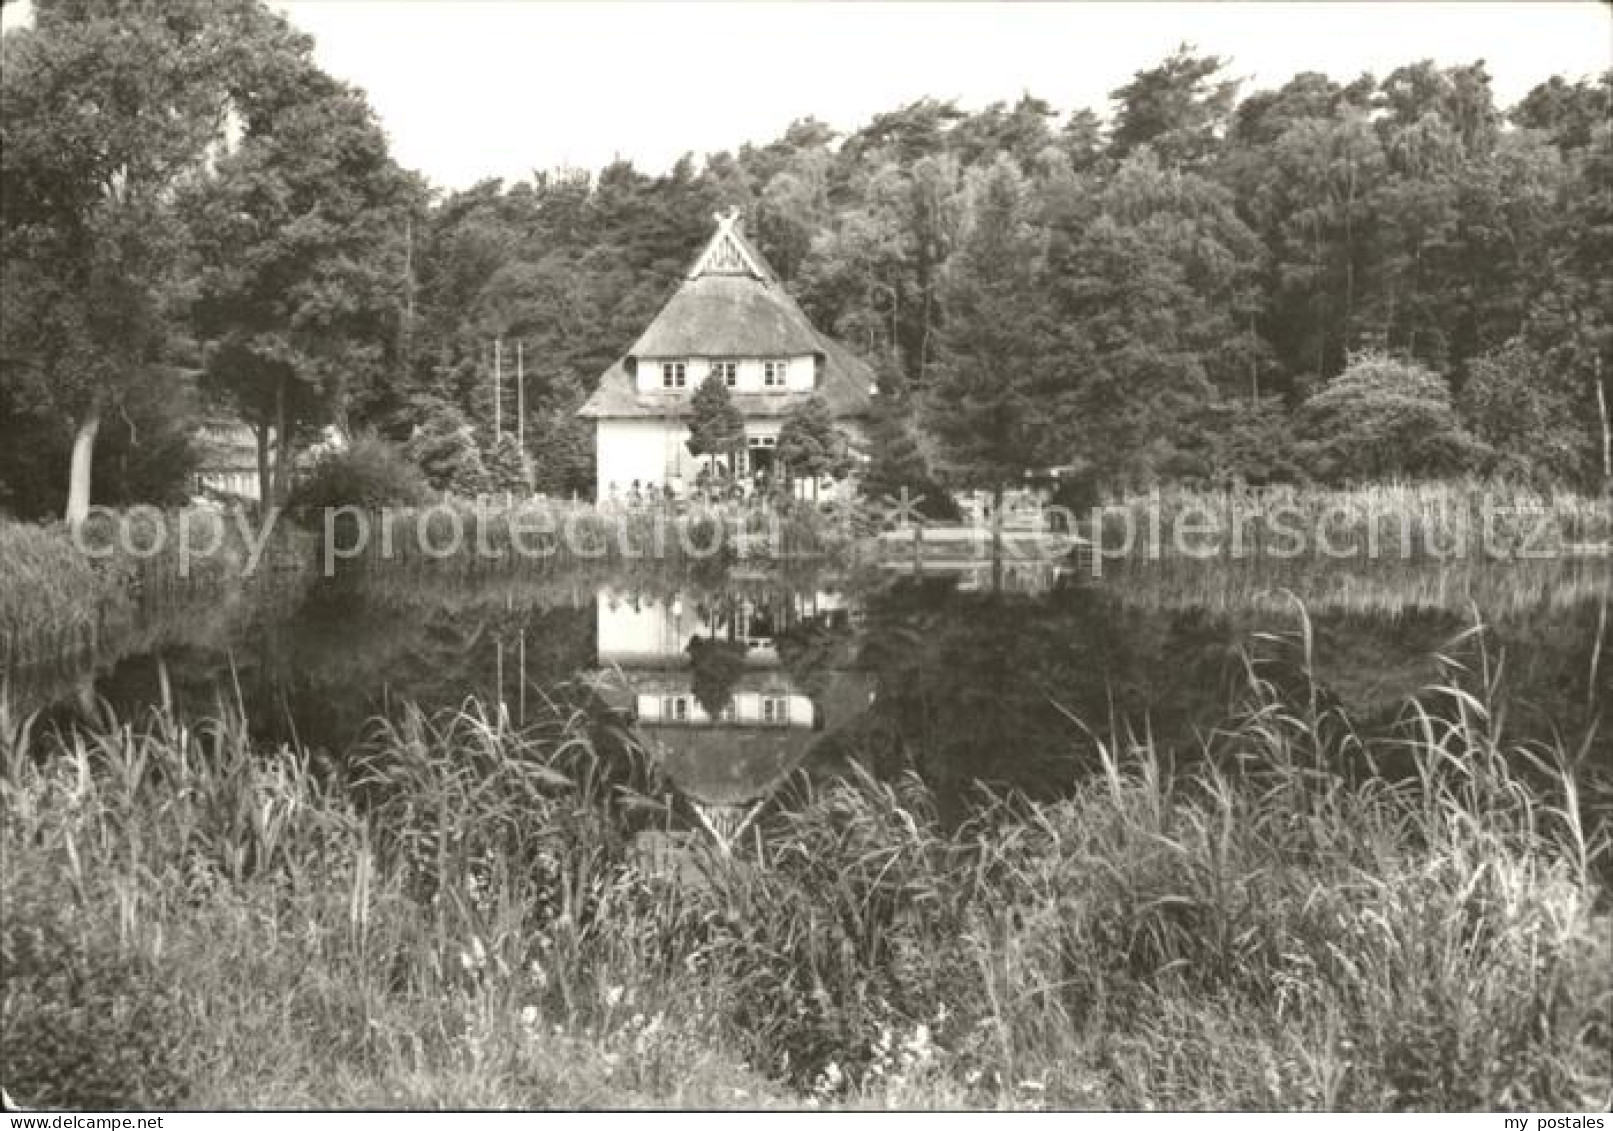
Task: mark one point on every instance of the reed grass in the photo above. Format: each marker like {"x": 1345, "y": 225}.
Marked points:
{"x": 58, "y": 600}
{"x": 1507, "y": 592}
{"x": 458, "y": 536}
{"x": 52, "y": 598}
{"x": 1456, "y": 520}
{"x": 463, "y": 912}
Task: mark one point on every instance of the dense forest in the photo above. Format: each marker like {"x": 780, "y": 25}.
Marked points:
{"x": 1343, "y": 278}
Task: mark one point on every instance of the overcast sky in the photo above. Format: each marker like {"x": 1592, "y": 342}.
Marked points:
{"x": 475, "y": 89}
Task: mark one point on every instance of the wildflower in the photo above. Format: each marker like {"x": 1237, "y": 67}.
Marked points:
{"x": 829, "y": 1080}
{"x": 529, "y": 1017}
{"x": 613, "y": 995}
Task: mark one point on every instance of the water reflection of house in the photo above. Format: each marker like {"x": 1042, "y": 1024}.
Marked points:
{"x": 727, "y": 761}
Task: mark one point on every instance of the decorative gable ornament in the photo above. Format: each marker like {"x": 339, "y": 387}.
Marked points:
{"x": 728, "y": 253}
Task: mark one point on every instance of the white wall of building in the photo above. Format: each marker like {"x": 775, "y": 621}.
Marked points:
{"x": 800, "y": 376}
{"x": 656, "y": 451}
{"x": 786, "y": 709}
{"x": 648, "y": 450}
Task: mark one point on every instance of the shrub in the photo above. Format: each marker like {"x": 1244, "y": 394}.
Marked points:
{"x": 370, "y": 473}
{"x": 1383, "y": 418}
{"x": 443, "y": 446}
{"x": 1243, "y": 442}
{"x": 81, "y": 1025}
{"x": 1513, "y": 403}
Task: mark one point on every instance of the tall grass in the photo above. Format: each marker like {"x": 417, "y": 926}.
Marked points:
{"x": 1469, "y": 519}
{"x": 52, "y": 598}
{"x": 57, "y": 600}
{"x": 1506, "y": 592}
{"x": 464, "y": 912}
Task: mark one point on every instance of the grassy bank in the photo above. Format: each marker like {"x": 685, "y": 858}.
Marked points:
{"x": 466, "y": 914}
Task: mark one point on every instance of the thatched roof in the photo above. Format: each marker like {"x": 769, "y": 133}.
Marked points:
{"x": 726, "y": 764}
{"x": 731, "y": 304}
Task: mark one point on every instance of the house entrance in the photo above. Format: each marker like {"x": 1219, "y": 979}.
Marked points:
{"x": 760, "y": 457}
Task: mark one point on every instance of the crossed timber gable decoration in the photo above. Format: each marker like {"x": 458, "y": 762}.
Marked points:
{"x": 727, "y": 254}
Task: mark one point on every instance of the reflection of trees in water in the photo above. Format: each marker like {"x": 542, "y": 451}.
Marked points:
{"x": 981, "y": 686}
{"x": 987, "y": 687}
{"x": 714, "y": 668}
{"x": 317, "y": 672}
{"x": 971, "y": 686}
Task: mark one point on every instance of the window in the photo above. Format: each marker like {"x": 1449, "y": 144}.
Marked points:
{"x": 775, "y": 709}
{"x": 727, "y": 370}
{"x": 675, "y": 707}
{"x": 773, "y": 373}
{"x": 673, "y": 374}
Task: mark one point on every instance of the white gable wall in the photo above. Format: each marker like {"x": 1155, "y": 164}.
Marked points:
{"x": 648, "y": 450}
{"x": 655, "y": 451}
{"x": 800, "y": 378}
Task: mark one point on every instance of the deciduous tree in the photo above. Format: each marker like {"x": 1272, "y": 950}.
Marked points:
{"x": 107, "y": 111}
{"x": 716, "y": 427}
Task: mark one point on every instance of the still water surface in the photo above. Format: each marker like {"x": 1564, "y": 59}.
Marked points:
{"x": 737, "y": 680}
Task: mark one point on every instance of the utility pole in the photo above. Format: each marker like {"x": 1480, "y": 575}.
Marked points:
{"x": 498, "y": 388}
{"x": 520, "y": 399}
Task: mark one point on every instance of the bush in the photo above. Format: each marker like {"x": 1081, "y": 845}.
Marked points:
{"x": 81, "y": 1026}
{"x": 370, "y": 473}
{"x": 1244, "y": 442}
{"x": 444, "y": 447}
{"x": 1383, "y": 418}
{"x": 1514, "y": 403}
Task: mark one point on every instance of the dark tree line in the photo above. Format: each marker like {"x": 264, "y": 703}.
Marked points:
{"x": 1211, "y": 284}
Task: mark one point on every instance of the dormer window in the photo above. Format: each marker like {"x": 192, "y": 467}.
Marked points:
{"x": 726, "y": 371}
{"x": 773, "y": 373}
{"x": 673, "y": 375}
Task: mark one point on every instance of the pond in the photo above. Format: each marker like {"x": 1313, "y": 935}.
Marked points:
{"x": 737, "y": 679}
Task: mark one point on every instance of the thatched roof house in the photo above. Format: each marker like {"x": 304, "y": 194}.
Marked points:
{"x": 731, "y": 320}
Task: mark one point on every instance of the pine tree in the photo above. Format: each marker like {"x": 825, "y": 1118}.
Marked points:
{"x": 897, "y": 470}
{"x": 507, "y": 467}
{"x": 988, "y": 406}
